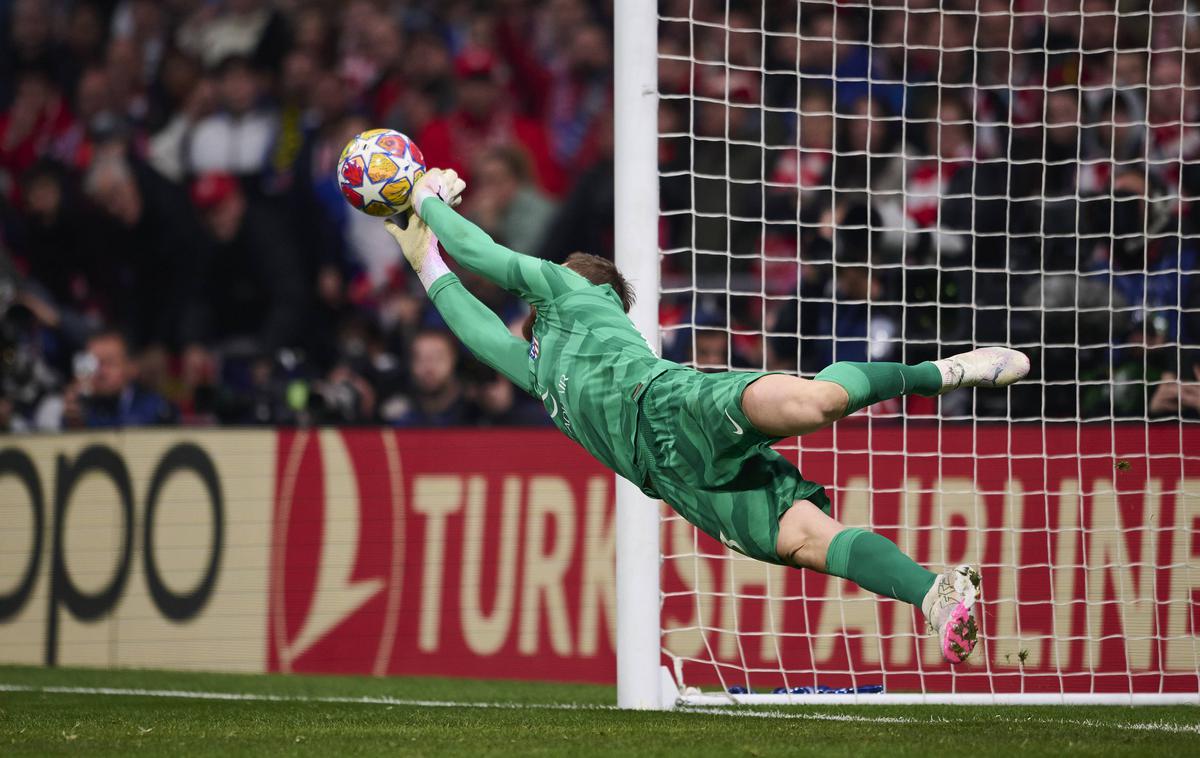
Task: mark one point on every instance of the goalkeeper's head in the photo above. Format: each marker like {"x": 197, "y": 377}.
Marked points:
{"x": 599, "y": 271}
{"x": 596, "y": 270}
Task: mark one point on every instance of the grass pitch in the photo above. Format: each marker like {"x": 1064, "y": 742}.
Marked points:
{"x": 159, "y": 713}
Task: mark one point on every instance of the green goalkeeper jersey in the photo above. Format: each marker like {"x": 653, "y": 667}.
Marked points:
{"x": 587, "y": 362}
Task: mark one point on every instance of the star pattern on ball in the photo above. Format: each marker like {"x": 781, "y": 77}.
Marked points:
{"x": 371, "y": 191}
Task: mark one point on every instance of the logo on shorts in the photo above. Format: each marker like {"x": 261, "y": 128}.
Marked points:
{"x": 736, "y": 428}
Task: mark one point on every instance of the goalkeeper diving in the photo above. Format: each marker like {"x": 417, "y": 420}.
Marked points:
{"x": 700, "y": 442}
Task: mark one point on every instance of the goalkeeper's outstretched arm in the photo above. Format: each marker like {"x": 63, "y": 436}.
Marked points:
{"x": 479, "y": 328}
{"x": 532, "y": 279}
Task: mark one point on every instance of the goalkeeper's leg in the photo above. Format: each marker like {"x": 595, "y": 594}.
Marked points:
{"x": 783, "y": 406}
{"x": 808, "y": 538}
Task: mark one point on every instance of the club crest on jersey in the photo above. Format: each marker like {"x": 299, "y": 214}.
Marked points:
{"x": 533, "y": 349}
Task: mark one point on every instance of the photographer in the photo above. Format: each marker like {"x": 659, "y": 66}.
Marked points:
{"x": 106, "y": 393}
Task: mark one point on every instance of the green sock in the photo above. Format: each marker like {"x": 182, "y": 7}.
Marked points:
{"x": 869, "y": 383}
{"x": 874, "y": 563}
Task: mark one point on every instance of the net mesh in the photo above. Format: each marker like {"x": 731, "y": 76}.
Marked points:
{"x": 902, "y": 181}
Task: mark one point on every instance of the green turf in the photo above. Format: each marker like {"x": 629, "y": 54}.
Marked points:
{"x": 44, "y": 722}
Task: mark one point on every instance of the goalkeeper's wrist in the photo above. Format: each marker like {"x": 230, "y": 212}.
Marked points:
{"x": 432, "y": 268}
{"x": 418, "y": 199}
{"x": 418, "y": 202}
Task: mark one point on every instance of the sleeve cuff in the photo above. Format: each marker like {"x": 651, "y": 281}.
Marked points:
{"x": 441, "y": 283}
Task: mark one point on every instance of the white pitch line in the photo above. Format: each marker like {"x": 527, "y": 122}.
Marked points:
{"x": 1145, "y": 726}
{"x": 1142, "y": 726}
{"x": 269, "y": 698}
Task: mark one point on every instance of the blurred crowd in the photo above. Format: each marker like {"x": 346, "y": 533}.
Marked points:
{"x": 900, "y": 180}
{"x": 173, "y": 244}
{"x": 886, "y": 182}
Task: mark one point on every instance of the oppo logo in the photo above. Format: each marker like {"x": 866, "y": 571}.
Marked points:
{"x": 64, "y": 594}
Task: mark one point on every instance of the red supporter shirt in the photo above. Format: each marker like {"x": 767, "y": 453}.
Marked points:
{"x": 18, "y": 152}
{"x": 456, "y": 141}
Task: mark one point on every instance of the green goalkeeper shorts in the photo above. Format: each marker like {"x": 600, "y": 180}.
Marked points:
{"x": 702, "y": 457}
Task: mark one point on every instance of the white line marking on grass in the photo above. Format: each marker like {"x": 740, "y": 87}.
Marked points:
{"x": 269, "y": 698}
{"x": 1141, "y": 726}
{"x": 1146, "y": 726}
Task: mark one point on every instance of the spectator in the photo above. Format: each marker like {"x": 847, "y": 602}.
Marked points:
{"x": 33, "y": 358}
{"x": 715, "y": 350}
{"x": 106, "y": 392}
{"x": 237, "y": 137}
{"x": 424, "y": 90}
{"x": 584, "y": 221}
{"x": 178, "y": 75}
{"x": 29, "y": 44}
{"x": 1064, "y": 148}
{"x": 312, "y": 33}
{"x": 506, "y": 203}
{"x": 674, "y": 66}
{"x": 1178, "y": 394}
{"x": 1078, "y": 316}
{"x": 947, "y": 149}
{"x": 35, "y": 120}
{"x": 1154, "y": 269}
{"x": 501, "y": 404}
{"x": 153, "y": 245}
{"x": 482, "y": 120}
{"x": 727, "y": 166}
{"x": 382, "y": 60}
{"x": 297, "y": 124}
{"x": 1117, "y": 137}
{"x": 343, "y": 397}
{"x": 845, "y": 316}
{"x": 868, "y": 149}
{"x": 55, "y": 244}
{"x": 835, "y": 56}
{"x": 569, "y": 93}
{"x": 127, "y": 80}
{"x": 377, "y": 355}
{"x": 438, "y": 397}
{"x": 254, "y": 281}
{"x": 97, "y": 118}
{"x": 1169, "y": 109}
{"x": 188, "y": 97}
{"x": 800, "y": 173}
{"x": 429, "y": 70}
{"x": 84, "y": 41}
{"x": 870, "y": 165}
{"x": 248, "y": 29}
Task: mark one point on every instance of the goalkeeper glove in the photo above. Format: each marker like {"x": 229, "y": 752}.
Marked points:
{"x": 420, "y": 247}
{"x": 443, "y": 184}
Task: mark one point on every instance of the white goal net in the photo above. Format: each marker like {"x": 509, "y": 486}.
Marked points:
{"x": 903, "y": 180}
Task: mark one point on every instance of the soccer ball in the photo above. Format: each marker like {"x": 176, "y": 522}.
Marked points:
{"x": 377, "y": 170}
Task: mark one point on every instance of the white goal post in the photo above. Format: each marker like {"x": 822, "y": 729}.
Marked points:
{"x": 635, "y": 119}
{"x": 894, "y": 181}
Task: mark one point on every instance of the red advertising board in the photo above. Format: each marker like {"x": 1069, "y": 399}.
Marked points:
{"x": 489, "y": 553}
{"x": 463, "y": 553}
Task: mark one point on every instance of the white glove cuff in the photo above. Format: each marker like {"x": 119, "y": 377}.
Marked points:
{"x": 433, "y": 267}
{"x": 418, "y": 198}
